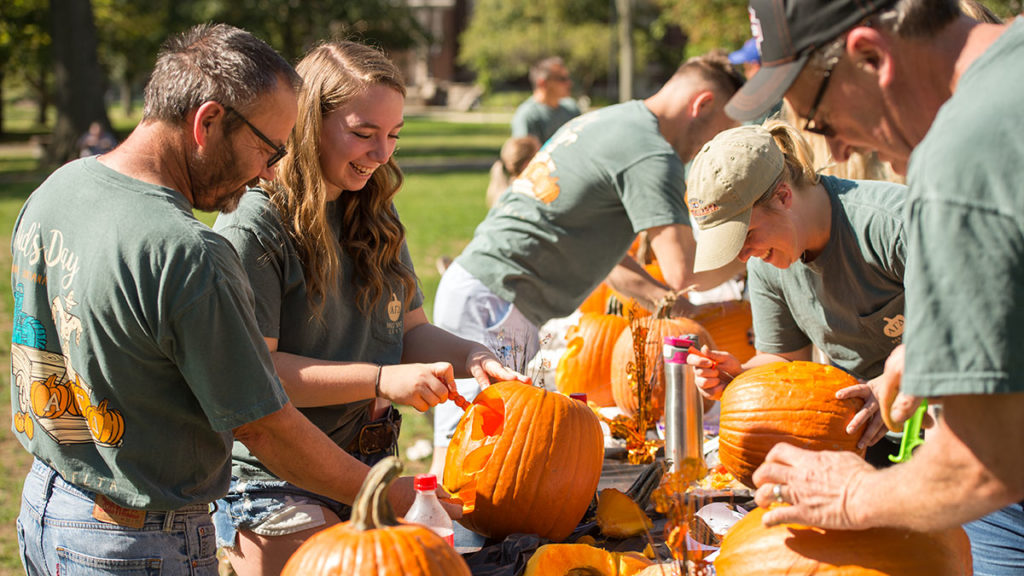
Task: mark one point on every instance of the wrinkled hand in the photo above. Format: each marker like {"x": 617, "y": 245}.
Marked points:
{"x": 868, "y": 416}
{"x": 484, "y": 366}
{"x": 713, "y": 376}
{"x": 418, "y": 385}
{"x": 895, "y": 407}
{"x": 817, "y": 484}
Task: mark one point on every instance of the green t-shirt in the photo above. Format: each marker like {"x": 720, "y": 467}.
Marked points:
{"x": 541, "y": 120}
{"x": 849, "y": 300}
{"x": 965, "y": 224}
{"x": 572, "y": 214}
{"x": 135, "y": 347}
{"x": 283, "y": 312}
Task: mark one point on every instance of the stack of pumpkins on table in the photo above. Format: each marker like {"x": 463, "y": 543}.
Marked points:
{"x": 527, "y": 460}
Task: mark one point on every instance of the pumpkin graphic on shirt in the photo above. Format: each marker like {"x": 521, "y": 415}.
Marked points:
{"x": 893, "y": 326}
{"x": 537, "y": 181}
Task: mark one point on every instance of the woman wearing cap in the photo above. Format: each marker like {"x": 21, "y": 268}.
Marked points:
{"x": 825, "y": 258}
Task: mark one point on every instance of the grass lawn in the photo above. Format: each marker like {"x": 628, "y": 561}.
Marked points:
{"x": 440, "y": 209}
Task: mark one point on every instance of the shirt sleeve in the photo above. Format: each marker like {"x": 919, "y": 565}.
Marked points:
{"x": 653, "y": 192}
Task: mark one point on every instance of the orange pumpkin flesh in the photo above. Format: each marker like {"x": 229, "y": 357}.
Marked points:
{"x": 586, "y": 364}
{"x": 374, "y": 543}
{"x": 793, "y": 402}
{"x": 751, "y": 549}
{"x": 523, "y": 459}
{"x": 563, "y": 559}
{"x": 619, "y": 516}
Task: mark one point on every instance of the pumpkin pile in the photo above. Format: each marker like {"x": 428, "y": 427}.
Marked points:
{"x": 793, "y": 402}
{"x": 751, "y": 549}
{"x": 373, "y": 542}
{"x": 523, "y": 459}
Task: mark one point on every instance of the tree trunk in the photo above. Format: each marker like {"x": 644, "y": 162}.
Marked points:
{"x": 126, "y": 95}
{"x": 78, "y": 78}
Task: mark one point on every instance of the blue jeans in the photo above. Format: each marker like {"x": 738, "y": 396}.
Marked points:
{"x": 57, "y": 534}
{"x": 997, "y": 542}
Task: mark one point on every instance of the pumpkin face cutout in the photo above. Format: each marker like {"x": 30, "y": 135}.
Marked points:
{"x": 788, "y": 549}
{"x": 523, "y": 459}
{"x": 374, "y": 542}
{"x": 586, "y": 364}
{"x": 792, "y": 402}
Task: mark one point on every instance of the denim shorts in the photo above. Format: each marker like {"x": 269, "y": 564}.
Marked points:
{"x": 276, "y": 507}
{"x": 997, "y": 542}
{"x": 57, "y": 534}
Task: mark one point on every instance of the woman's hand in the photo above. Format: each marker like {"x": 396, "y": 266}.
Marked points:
{"x": 713, "y": 371}
{"x": 484, "y": 366}
{"x": 418, "y": 385}
{"x": 868, "y": 416}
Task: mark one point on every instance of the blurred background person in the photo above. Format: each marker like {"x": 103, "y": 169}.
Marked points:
{"x": 550, "y": 105}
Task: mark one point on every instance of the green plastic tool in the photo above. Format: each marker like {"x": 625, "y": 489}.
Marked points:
{"x": 911, "y": 434}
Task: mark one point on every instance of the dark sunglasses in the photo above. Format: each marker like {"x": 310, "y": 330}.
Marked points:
{"x": 812, "y": 125}
{"x": 279, "y": 151}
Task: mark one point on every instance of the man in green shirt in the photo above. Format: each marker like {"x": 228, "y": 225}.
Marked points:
{"x": 136, "y": 357}
{"x": 935, "y": 91}
{"x": 550, "y": 105}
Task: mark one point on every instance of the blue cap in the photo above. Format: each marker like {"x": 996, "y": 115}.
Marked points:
{"x": 746, "y": 54}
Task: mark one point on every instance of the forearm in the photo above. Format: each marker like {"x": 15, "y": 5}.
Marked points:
{"x": 631, "y": 280}
{"x": 969, "y": 466}
{"x": 428, "y": 343}
{"x": 295, "y": 450}
{"x": 314, "y": 382}
{"x": 762, "y": 358}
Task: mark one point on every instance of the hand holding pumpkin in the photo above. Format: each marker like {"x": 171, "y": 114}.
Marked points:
{"x": 714, "y": 370}
{"x": 818, "y": 484}
{"x": 418, "y": 385}
{"x": 894, "y": 406}
{"x": 485, "y": 368}
{"x": 868, "y": 417}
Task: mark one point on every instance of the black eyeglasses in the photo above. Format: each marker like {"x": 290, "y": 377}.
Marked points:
{"x": 812, "y": 125}
{"x": 279, "y": 151}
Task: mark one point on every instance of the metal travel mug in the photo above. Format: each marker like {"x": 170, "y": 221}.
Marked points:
{"x": 684, "y": 410}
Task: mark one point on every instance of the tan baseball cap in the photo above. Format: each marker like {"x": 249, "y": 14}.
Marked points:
{"x": 728, "y": 175}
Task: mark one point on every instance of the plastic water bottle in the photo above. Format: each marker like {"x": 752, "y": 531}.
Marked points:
{"x": 427, "y": 511}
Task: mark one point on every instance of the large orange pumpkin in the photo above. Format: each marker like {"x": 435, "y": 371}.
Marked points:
{"x": 731, "y": 326}
{"x": 373, "y": 542}
{"x": 586, "y": 364}
{"x": 751, "y": 549}
{"x": 596, "y": 302}
{"x": 793, "y": 402}
{"x": 523, "y": 459}
{"x": 623, "y": 387}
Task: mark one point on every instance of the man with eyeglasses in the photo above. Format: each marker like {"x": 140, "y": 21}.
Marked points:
{"x": 939, "y": 96}
{"x": 550, "y": 105}
{"x": 136, "y": 358}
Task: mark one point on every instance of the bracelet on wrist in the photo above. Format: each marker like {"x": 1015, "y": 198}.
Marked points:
{"x": 376, "y": 384}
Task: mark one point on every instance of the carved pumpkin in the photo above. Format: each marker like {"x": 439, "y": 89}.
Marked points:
{"x": 730, "y": 325}
{"x": 623, "y": 387}
{"x": 751, "y": 549}
{"x": 50, "y": 399}
{"x": 547, "y": 453}
{"x": 619, "y": 516}
{"x": 106, "y": 425}
{"x": 586, "y": 364}
{"x": 373, "y": 542}
{"x": 583, "y": 559}
{"x": 793, "y": 402}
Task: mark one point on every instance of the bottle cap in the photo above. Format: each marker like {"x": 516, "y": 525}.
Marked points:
{"x": 582, "y": 397}
{"x": 427, "y": 482}
{"x": 684, "y": 341}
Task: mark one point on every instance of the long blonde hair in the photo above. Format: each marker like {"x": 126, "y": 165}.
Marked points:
{"x": 370, "y": 231}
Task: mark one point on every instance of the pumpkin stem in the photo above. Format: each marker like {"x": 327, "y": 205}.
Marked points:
{"x": 613, "y": 306}
{"x": 372, "y": 510}
{"x": 663, "y": 307}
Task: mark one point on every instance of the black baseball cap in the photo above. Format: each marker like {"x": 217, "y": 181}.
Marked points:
{"x": 787, "y": 32}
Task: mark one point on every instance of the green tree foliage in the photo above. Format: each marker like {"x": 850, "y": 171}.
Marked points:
{"x": 25, "y": 49}
{"x": 709, "y": 24}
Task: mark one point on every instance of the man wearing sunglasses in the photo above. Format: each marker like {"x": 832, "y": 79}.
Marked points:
{"x": 937, "y": 95}
{"x": 136, "y": 359}
{"x": 550, "y": 105}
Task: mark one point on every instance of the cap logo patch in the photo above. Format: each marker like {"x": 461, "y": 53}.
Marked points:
{"x": 700, "y": 212}
{"x": 755, "y": 29}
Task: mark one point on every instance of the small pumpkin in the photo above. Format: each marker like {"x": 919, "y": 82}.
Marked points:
{"x": 619, "y": 516}
{"x": 584, "y": 560}
{"x": 731, "y": 325}
{"x": 23, "y": 423}
{"x": 623, "y": 387}
{"x": 547, "y": 454}
{"x": 80, "y": 397}
{"x": 586, "y": 364}
{"x": 106, "y": 425}
{"x": 374, "y": 542}
{"x": 50, "y": 399}
{"x": 793, "y": 402}
{"x": 751, "y": 549}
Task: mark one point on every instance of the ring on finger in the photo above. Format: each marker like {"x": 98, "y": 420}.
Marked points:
{"x": 777, "y": 492}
